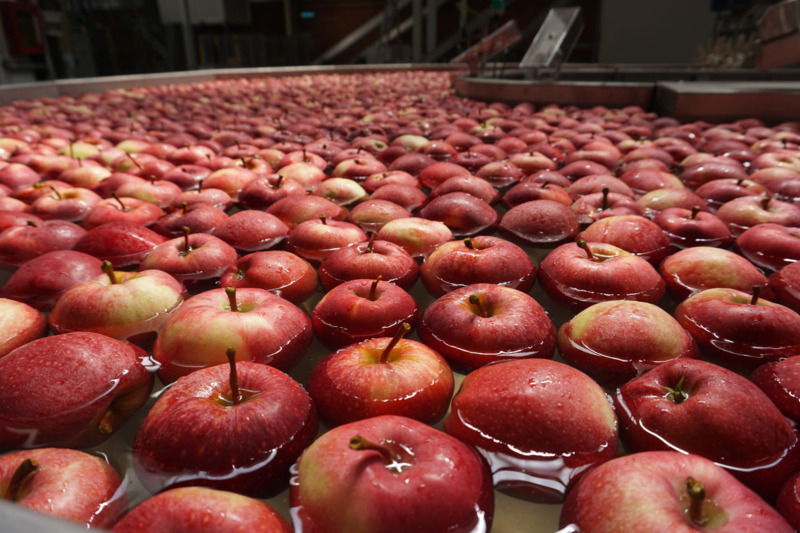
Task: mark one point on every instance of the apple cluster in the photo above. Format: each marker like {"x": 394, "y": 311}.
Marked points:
{"x": 311, "y": 303}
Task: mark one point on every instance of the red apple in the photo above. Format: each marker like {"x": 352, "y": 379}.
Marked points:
{"x": 277, "y": 271}
{"x": 202, "y": 510}
{"x": 382, "y": 376}
{"x": 261, "y": 327}
{"x": 405, "y": 475}
{"x": 539, "y": 424}
{"x": 236, "y": 427}
{"x": 67, "y": 484}
{"x": 652, "y": 491}
{"x": 482, "y": 259}
{"x": 770, "y": 246}
{"x": 19, "y": 324}
{"x": 482, "y": 323}
{"x": 668, "y": 407}
{"x": 362, "y": 309}
{"x": 71, "y": 390}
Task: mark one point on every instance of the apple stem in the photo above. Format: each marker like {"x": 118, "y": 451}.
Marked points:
{"x": 231, "y": 292}
{"x": 765, "y": 202}
{"x": 469, "y": 244}
{"x": 756, "y": 293}
{"x": 119, "y": 201}
{"x": 604, "y": 205}
{"x": 475, "y": 300}
{"x": 404, "y": 328}
{"x": 372, "y": 236}
{"x": 26, "y": 468}
{"x": 374, "y": 289}
{"x": 135, "y": 162}
{"x": 32, "y": 223}
{"x": 184, "y": 206}
{"x": 357, "y": 442}
{"x": 108, "y": 270}
{"x": 55, "y": 191}
{"x": 324, "y": 219}
{"x": 697, "y": 495}
{"x": 739, "y": 181}
{"x": 585, "y": 246}
{"x": 545, "y": 184}
{"x": 186, "y": 231}
{"x": 235, "y": 396}
{"x": 277, "y": 183}
{"x": 677, "y": 395}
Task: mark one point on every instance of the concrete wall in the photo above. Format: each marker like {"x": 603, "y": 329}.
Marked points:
{"x": 653, "y": 31}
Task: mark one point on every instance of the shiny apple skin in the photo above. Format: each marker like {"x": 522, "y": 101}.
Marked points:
{"x": 277, "y": 271}
{"x": 19, "y": 324}
{"x": 540, "y": 425}
{"x": 193, "y": 435}
{"x": 352, "y": 384}
{"x": 785, "y": 283}
{"x": 646, "y": 492}
{"x": 726, "y": 419}
{"x": 362, "y": 261}
{"x": 446, "y": 487}
{"x": 69, "y": 484}
{"x": 347, "y": 314}
{"x": 517, "y": 327}
{"x": 574, "y": 280}
{"x": 267, "y": 330}
{"x": 202, "y": 510}
{"x": 490, "y": 260}
{"x": 617, "y": 340}
{"x": 736, "y": 333}
{"x": 39, "y": 407}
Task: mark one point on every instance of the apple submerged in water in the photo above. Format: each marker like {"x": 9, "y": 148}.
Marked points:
{"x": 236, "y": 427}
{"x": 697, "y": 407}
{"x": 382, "y": 376}
{"x": 71, "y": 390}
{"x": 540, "y": 425}
{"x": 259, "y": 325}
{"x": 666, "y": 491}
{"x": 202, "y": 510}
{"x": 64, "y": 483}
{"x": 483, "y": 323}
{"x": 405, "y": 476}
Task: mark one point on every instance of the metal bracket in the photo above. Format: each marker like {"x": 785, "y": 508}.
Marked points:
{"x": 554, "y": 41}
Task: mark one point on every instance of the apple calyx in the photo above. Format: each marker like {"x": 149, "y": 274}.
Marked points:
{"x": 756, "y": 293}
{"x": 392, "y": 460}
{"x": 108, "y": 270}
{"x": 404, "y": 328}
{"x": 676, "y": 395}
{"x": 373, "y": 289}
{"x": 13, "y": 491}
{"x": 475, "y": 300}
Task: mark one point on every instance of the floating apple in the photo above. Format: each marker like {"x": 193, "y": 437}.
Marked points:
{"x": 405, "y": 475}
{"x": 258, "y": 419}
{"x": 539, "y": 424}
{"x": 107, "y": 382}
